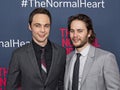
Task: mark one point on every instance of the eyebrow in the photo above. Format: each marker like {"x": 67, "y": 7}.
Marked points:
{"x": 80, "y": 29}
{"x": 40, "y": 24}
{"x": 77, "y": 29}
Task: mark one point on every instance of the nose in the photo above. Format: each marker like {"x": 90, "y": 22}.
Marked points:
{"x": 75, "y": 34}
{"x": 42, "y": 29}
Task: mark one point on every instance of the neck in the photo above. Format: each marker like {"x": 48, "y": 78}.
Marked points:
{"x": 42, "y": 44}
{"x": 81, "y": 48}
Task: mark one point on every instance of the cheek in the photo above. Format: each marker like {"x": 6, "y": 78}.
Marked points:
{"x": 84, "y": 35}
{"x": 71, "y": 35}
{"x": 34, "y": 32}
{"x": 47, "y": 31}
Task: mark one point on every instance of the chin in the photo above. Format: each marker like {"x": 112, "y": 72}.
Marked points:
{"x": 76, "y": 45}
{"x": 40, "y": 40}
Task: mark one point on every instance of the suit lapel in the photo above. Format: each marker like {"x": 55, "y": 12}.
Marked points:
{"x": 33, "y": 60}
{"x": 53, "y": 64}
{"x": 88, "y": 64}
{"x": 68, "y": 70}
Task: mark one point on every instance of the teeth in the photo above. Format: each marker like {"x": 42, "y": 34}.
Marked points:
{"x": 75, "y": 39}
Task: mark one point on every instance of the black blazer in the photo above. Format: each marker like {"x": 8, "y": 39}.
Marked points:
{"x": 24, "y": 70}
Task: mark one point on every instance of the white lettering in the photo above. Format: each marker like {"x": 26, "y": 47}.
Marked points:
{"x": 13, "y": 43}
{"x": 63, "y": 4}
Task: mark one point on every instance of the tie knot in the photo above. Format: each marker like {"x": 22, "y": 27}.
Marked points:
{"x": 43, "y": 50}
{"x": 42, "y": 53}
{"x": 78, "y": 55}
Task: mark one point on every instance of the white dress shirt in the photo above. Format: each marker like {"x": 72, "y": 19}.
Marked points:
{"x": 82, "y": 59}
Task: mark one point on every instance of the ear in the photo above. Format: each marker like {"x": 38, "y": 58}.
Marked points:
{"x": 29, "y": 27}
{"x": 90, "y": 32}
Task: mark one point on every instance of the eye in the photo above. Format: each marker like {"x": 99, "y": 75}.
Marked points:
{"x": 37, "y": 25}
{"x": 71, "y": 30}
{"x": 80, "y": 30}
{"x": 47, "y": 25}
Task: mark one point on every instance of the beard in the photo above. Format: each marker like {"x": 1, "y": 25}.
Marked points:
{"x": 82, "y": 44}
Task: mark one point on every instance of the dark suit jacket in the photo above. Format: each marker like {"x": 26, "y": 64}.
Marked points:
{"x": 24, "y": 70}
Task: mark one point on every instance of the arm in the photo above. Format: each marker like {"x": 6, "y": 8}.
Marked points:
{"x": 111, "y": 73}
{"x": 13, "y": 79}
{"x": 61, "y": 78}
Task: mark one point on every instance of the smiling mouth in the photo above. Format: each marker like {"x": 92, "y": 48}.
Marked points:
{"x": 75, "y": 40}
{"x": 41, "y": 36}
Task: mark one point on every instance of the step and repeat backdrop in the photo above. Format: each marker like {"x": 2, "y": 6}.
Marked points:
{"x": 14, "y": 30}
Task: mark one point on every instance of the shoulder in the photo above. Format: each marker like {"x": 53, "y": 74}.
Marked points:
{"x": 22, "y": 49}
{"x": 71, "y": 53}
{"x": 108, "y": 59}
{"x": 100, "y": 55}
{"x": 103, "y": 52}
{"x": 57, "y": 47}
{"x": 104, "y": 55}
{"x": 69, "y": 56}
{"x": 98, "y": 51}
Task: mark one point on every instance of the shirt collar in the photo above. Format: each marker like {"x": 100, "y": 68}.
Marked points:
{"x": 85, "y": 51}
{"x": 38, "y": 47}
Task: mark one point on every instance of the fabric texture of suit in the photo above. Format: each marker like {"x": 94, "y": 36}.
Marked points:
{"x": 24, "y": 70}
{"x": 100, "y": 71}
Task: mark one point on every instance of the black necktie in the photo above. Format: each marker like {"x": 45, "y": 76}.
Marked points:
{"x": 43, "y": 65}
{"x": 75, "y": 79}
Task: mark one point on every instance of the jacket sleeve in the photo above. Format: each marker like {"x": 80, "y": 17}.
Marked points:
{"x": 61, "y": 76}
{"x": 111, "y": 73}
{"x": 13, "y": 78}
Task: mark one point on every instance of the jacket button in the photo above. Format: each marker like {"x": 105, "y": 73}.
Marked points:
{"x": 44, "y": 86}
